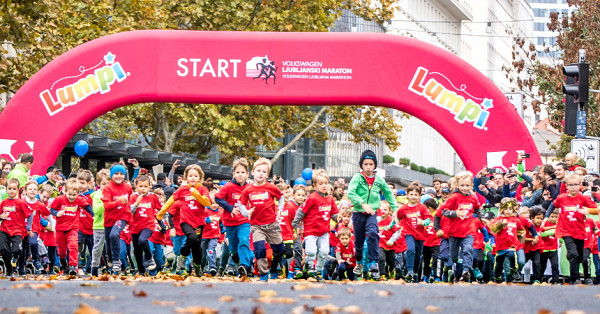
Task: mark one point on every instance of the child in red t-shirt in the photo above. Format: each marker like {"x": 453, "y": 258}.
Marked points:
{"x": 316, "y": 213}
{"x": 258, "y": 203}
{"x": 345, "y": 255}
{"x": 66, "y": 210}
{"x": 550, "y": 247}
{"x": 194, "y": 198}
{"x": 38, "y": 209}
{"x": 507, "y": 230}
{"x": 117, "y": 214}
{"x": 590, "y": 248}
{"x": 86, "y": 221}
{"x": 533, "y": 247}
{"x": 431, "y": 245}
{"x": 413, "y": 217}
{"x": 237, "y": 227}
{"x": 143, "y": 205}
{"x": 573, "y": 207}
{"x": 461, "y": 208}
{"x": 14, "y": 211}
{"x": 211, "y": 235}
{"x": 387, "y": 251}
{"x": 289, "y": 236}
{"x": 399, "y": 251}
{"x": 47, "y": 233}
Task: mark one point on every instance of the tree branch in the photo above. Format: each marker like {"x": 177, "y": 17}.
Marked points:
{"x": 299, "y": 136}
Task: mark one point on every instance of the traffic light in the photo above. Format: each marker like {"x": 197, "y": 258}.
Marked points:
{"x": 576, "y": 90}
{"x": 579, "y": 86}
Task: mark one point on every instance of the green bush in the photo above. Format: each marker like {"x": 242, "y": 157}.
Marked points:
{"x": 387, "y": 159}
{"x": 422, "y": 169}
{"x": 432, "y": 170}
{"x": 414, "y": 166}
{"x": 404, "y": 161}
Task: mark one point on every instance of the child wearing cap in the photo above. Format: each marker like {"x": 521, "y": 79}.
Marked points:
{"x": 363, "y": 192}
{"x": 507, "y": 230}
{"x": 115, "y": 196}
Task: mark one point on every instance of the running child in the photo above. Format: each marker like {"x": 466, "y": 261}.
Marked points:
{"x": 345, "y": 255}
{"x": 144, "y": 205}
{"x": 507, "y": 230}
{"x": 285, "y": 218}
{"x": 14, "y": 212}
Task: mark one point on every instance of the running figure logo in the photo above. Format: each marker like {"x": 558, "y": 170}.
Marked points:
{"x": 261, "y": 68}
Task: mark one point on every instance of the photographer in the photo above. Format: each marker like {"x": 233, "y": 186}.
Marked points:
{"x": 587, "y": 182}
{"x": 491, "y": 190}
{"x": 596, "y": 190}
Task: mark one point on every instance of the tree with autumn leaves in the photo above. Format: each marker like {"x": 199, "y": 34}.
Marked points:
{"x": 543, "y": 81}
{"x": 42, "y": 30}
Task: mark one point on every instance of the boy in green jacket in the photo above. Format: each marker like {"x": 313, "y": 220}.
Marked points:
{"x": 364, "y": 192}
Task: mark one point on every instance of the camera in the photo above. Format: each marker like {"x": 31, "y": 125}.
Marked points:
{"x": 526, "y": 155}
{"x": 595, "y": 188}
{"x": 584, "y": 183}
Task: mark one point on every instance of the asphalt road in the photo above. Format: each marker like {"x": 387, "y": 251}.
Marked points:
{"x": 166, "y": 296}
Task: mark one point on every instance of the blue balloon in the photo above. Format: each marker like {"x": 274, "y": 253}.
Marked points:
{"x": 307, "y": 174}
{"x": 300, "y": 181}
{"x": 81, "y": 148}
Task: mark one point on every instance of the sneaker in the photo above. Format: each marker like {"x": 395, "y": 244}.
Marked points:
{"x": 290, "y": 275}
{"x": 242, "y": 271}
{"x": 358, "y": 270}
{"x": 220, "y": 272}
{"x": 577, "y": 282}
{"x": 409, "y": 277}
{"x": 311, "y": 273}
{"x": 230, "y": 271}
{"x": 150, "y": 264}
{"x": 589, "y": 282}
{"x": 94, "y": 271}
{"x": 319, "y": 277}
{"x": 72, "y": 271}
{"x": 517, "y": 276}
{"x": 478, "y": 275}
{"x": 298, "y": 274}
{"x": 374, "y": 270}
{"x": 21, "y": 271}
{"x": 425, "y": 279}
{"x": 181, "y": 263}
{"x": 536, "y": 283}
{"x": 235, "y": 257}
{"x": 437, "y": 280}
{"x": 466, "y": 276}
{"x": 198, "y": 270}
{"x": 431, "y": 279}
{"x": 116, "y": 267}
{"x": 274, "y": 276}
{"x": 397, "y": 274}
{"x": 264, "y": 278}
{"x": 38, "y": 267}
{"x": 212, "y": 272}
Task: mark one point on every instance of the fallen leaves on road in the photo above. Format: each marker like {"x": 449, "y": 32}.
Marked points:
{"x": 267, "y": 293}
{"x": 86, "y": 309}
{"x": 350, "y": 291}
{"x": 163, "y": 303}
{"x": 573, "y": 312}
{"x": 406, "y": 311}
{"x": 544, "y": 311}
{"x": 104, "y": 278}
{"x": 304, "y": 286}
{"x": 226, "y": 298}
{"x": 140, "y": 293}
{"x": 89, "y": 284}
{"x": 315, "y": 296}
{"x": 28, "y": 310}
{"x": 271, "y": 300}
{"x": 383, "y": 293}
{"x": 431, "y": 308}
{"x": 326, "y": 309}
{"x": 355, "y": 309}
{"x": 93, "y": 297}
{"x": 196, "y": 310}
{"x": 34, "y": 286}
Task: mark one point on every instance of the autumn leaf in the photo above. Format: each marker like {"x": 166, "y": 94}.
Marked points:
{"x": 89, "y": 296}
{"x": 163, "y": 303}
{"x": 431, "y": 308}
{"x": 315, "y": 296}
{"x": 383, "y": 293}
{"x": 33, "y": 286}
{"x": 196, "y": 310}
{"x": 86, "y": 309}
{"x": 267, "y": 293}
{"x": 275, "y": 300}
{"x": 226, "y": 298}
{"x": 140, "y": 293}
{"x": 28, "y": 310}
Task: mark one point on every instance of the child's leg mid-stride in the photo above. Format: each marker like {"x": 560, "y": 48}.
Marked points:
{"x": 365, "y": 225}
{"x": 262, "y": 234}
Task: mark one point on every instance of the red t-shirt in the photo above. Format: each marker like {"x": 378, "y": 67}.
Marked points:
{"x": 347, "y": 253}
{"x": 444, "y": 223}
{"x": 591, "y": 240}
{"x": 18, "y": 212}
{"x": 571, "y": 223}
{"x": 460, "y": 228}
{"x": 174, "y": 212}
{"x": 37, "y": 209}
{"x": 317, "y": 214}
{"x": 86, "y": 220}
{"x": 370, "y": 180}
{"x": 550, "y": 243}
{"x": 401, "y": 243}
{"x": 526, "y": 223}
{"x": 431, "y": 239}
{"x": 262, "y": 198}
{"x": 386, "y": 235}
{"x": 190, "y": 210}
{"x": 145, "y": 213}
{"x": 70, "y": 217}
{"x": 528, "y": 244}
{"x": 409, "y": 215}
{"x": 114, "y": 211}
{"x": 157, "y": 236}
{"x": 285, "y": 218}
{"x": 478, "y": 243}
{"x": 231, "y": 193}
{"x": 126, "y": 234}
{"x": 213, "y": 230}
{"x": 47, "y": 236}
{"x": 507, "y": 237}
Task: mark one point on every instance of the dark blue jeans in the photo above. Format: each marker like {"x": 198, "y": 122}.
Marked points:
{"x": 113, "y": 240}
{"x": 413, "y": 253}
{"x": 366, "y": 225}
{"x": 141, "y": 248}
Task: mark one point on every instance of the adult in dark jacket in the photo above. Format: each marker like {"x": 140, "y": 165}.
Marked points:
{"x": 161, "y": 184}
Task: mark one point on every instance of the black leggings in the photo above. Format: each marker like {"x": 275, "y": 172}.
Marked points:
{"x": 430, "y": 256}
{"x": 141, "y": 248}
{"x": 192, "y": 242}
{"x": 574, "y": 255}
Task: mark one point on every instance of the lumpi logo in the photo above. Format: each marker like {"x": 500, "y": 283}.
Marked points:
{"x": 98, "y": 81}
{"x": 462, "y": 108}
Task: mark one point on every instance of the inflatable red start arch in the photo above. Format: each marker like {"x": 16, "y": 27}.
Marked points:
{"x": 264, "y": 68}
